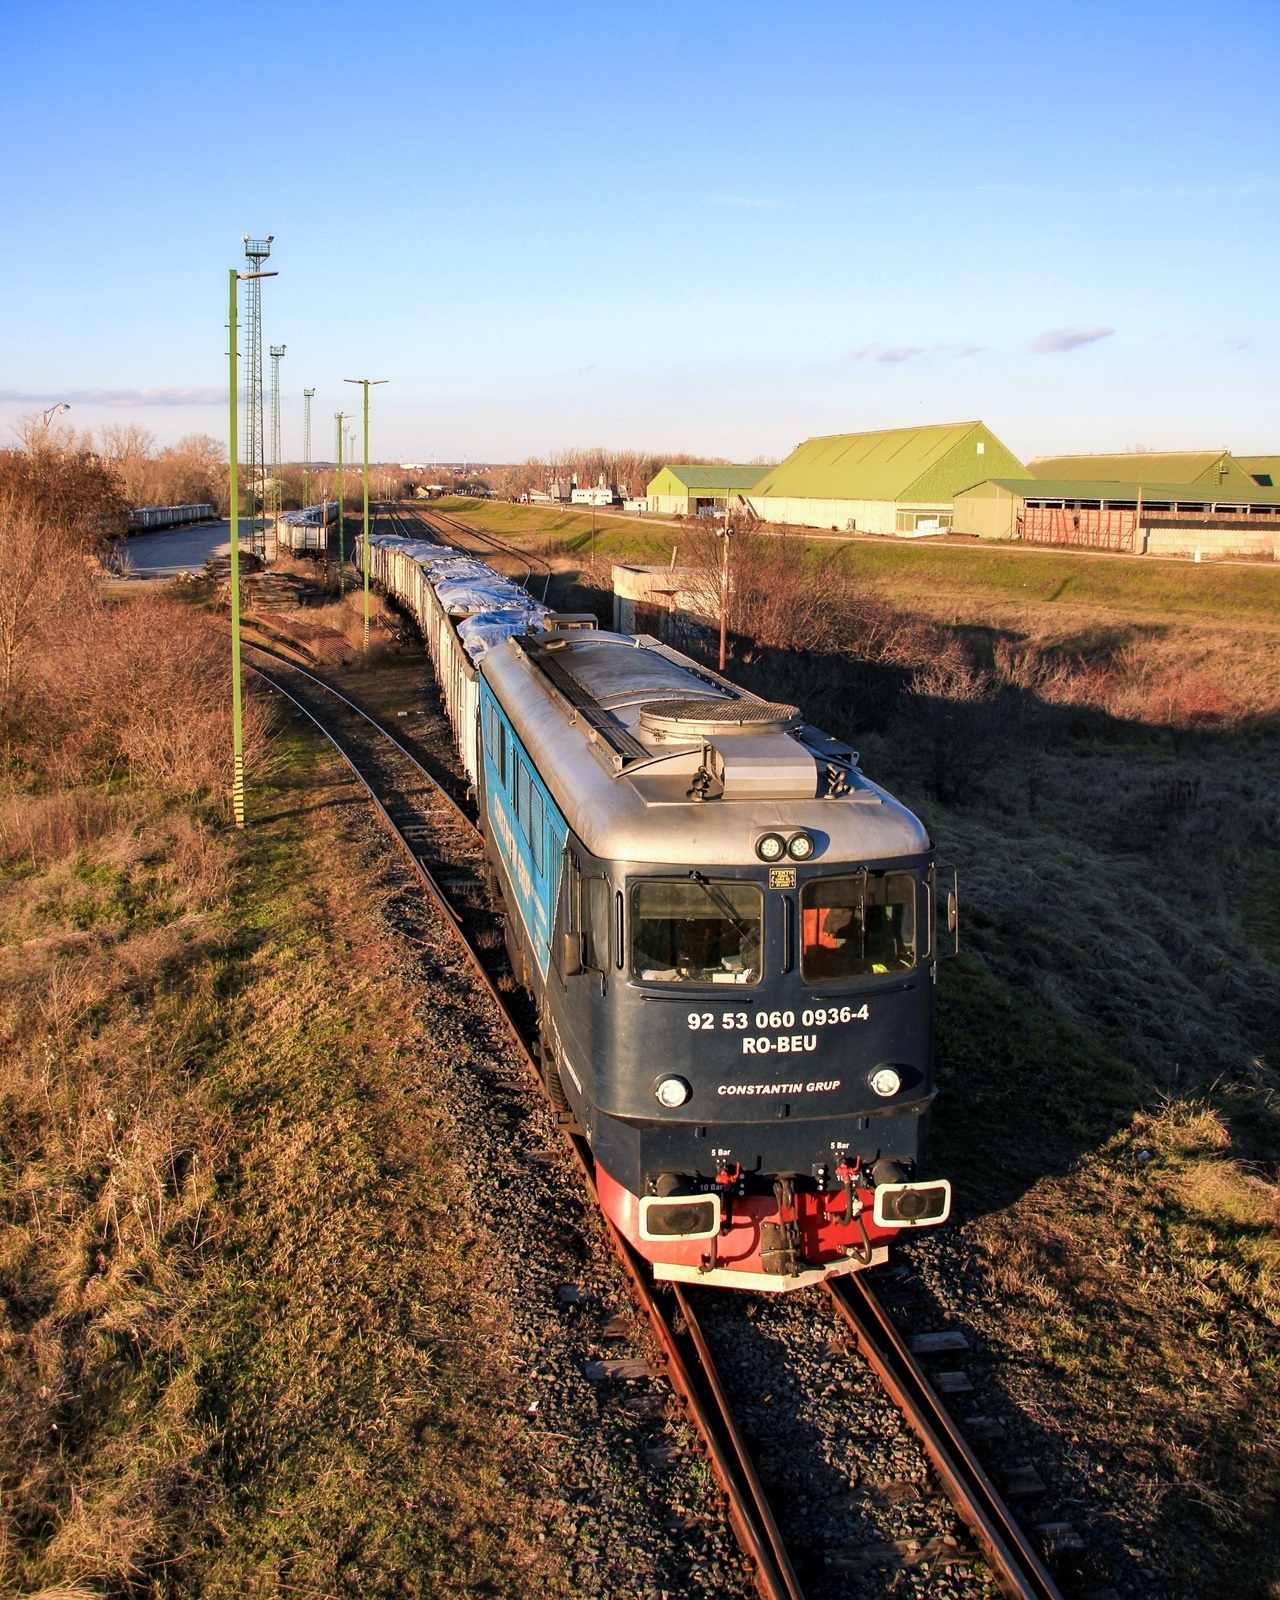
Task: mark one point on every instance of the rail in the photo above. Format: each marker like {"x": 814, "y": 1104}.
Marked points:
{"x": 1017, "y": 1569}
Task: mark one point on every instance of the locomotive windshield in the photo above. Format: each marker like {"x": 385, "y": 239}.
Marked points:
{"x": 853, "y": 927}
{"x": 695, "y": 931}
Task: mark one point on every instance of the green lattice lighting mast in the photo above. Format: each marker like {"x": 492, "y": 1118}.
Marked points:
{"x": 340, "y": 417}
{"x": 255, "y": 442}
{"x": 277, "y": 487}
{"x": 307, "y": 396}
{"x": 366, "y": 384}
{"x": 233, "y": 507}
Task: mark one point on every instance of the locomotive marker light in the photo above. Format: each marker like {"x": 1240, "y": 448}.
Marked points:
{"x": 366, "y": 382}
{"x": 662, "y": 1221}
{"x": 672, "y": 1092}
{"x": 800, "y": 847}
{"x": 233, "y": 497}
{"x": 886, "y": 1082}
{"x": 912, "y": 1205}
{"x": 771, "y": 847}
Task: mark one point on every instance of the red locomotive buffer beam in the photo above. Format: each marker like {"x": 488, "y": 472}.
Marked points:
{"x": 777, "y": 1241}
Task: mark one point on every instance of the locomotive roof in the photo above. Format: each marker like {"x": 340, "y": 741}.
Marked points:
{"x": 576, "y": 699}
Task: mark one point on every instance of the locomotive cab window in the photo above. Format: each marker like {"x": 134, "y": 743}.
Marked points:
{"x": 856, "y": 927}
{"x": 696, "y": 931}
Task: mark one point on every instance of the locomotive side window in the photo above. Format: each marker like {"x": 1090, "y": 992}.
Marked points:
{"x": 696, "y": 931}
{"x": 854, "y": 927}
{"x": 522, "y": 787}
{"x": 595, "y": 923}
{"x": 536, "y": 819}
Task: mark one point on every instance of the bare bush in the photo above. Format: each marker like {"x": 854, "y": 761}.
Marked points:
{"x": 42, "y": 574}
{"x": 65, "y": 488}
{"x": 143, "y": 688}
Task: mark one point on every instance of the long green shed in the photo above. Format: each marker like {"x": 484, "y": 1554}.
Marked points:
{"x": 695, "y": 489}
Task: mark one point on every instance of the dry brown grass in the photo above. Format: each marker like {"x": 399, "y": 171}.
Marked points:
{"x": 137, "y": 690}
{"x": 203, "y": 1379}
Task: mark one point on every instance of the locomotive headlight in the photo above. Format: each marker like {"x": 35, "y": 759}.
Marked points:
{"x": 771, "y": 847}
{"x": 885, "y": 1081}
{"x": 672, "y": 1092}
{"x": 800, "y": 847}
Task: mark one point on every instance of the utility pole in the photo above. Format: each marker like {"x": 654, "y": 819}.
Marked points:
{"x": 340, "y": 417}
{"x": 233, "y": 495}
{"x": 366, "y": 384}
{"x": 724, "y": 590}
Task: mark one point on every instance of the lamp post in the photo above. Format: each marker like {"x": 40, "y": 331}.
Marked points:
{"x": 340, "y": 417}
{"x": 233, "y": 497}
{"x": 366, "y": 384}
{"x": 55, "y": 411}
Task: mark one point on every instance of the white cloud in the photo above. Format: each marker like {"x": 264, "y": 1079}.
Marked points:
{"x": 1056, "y": 340}
{"x": 887, "y": 352}
{"x": 120, "y": 397}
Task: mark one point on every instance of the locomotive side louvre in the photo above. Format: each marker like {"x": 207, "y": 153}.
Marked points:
{"x": 746, "y": 1038}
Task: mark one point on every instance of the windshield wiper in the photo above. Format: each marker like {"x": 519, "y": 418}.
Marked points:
{"x": 718, "y": 898}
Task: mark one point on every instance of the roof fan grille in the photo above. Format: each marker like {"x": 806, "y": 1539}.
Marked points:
{"x": 703, "y": 715}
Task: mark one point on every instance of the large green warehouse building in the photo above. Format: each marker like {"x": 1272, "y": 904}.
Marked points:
{"x": 897, "y": 480}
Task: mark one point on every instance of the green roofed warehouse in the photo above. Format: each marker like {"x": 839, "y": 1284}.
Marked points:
{"x": 688, "y": 490}
{"x": 897, "y": 480}
{"x": 1216, "y": 472}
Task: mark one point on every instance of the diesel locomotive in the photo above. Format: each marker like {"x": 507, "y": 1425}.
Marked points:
{"x": 730, "y": 933}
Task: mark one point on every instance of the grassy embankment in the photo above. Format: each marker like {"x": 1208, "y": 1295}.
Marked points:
{"x": 233, "y": 1357}
{"x": 1096, "y": 744}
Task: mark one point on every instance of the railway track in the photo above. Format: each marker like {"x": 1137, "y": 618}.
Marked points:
{"x": 446, "y": 852}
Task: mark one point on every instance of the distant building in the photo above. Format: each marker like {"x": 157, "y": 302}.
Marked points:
{"x": 695, "y": 490}
{"x": 1209, "y": 470}
{"x": 897, "y": 480}
{"x": 1202, "y": 518}
{"x": 601, "y": 495}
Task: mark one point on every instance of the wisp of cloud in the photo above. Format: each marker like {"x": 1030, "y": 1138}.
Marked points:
{"x": 1056, "y": 340}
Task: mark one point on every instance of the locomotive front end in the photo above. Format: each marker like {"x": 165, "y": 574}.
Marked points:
{"x": 779, "y": 1020}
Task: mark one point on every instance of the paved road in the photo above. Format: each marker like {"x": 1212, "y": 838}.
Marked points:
{"x": 165, "y": 555}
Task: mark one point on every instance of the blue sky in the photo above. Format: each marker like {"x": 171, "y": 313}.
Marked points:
{"x": 710, "y": 227}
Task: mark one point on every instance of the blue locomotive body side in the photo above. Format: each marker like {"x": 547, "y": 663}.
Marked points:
{"x": 528, "y": 829}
